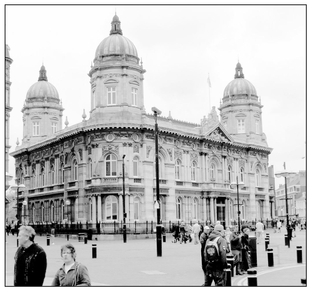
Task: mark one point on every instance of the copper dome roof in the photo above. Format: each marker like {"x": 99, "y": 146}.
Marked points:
{"x": 239, "y": 86}
{"x": 116, "y": 43}
{"x": 42, "y": 89}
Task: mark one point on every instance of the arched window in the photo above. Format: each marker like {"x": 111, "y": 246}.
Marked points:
{"x": 62, "y": 210}
{"x": 231, "y": 209}
{"x": 52, "y": 174}
{"x": 136, "y": 208}
{"x": 42, "y": 176}
{"x": 42, "y": 213}
{"x": 212, "y": 171}
{"x": 193, "y": 171}
{"x": 242, "y": 173}
{"x": 195, "y": 208}
{"x": 136, "y": 166}
{"x": 111, "y": 206}
{"x": 257, "y": 178}
{"x": 229, "y": 174}
{"x": 33, "y": 176}
{"x": 178, "y": 169}
{"x": 178, "y": 208}
{"x": 51, "y": 212}
{"x": 110, "y": 165}
{"x": 62, "y": 173}
{"x": 89, "y": 169}
{"x": 75, "y": 170}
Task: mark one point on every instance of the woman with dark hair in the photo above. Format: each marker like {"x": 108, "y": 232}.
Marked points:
{"x": 71, "y": 273}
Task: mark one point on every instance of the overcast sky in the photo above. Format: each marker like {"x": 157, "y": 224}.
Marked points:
{"x": 179, "y": 46}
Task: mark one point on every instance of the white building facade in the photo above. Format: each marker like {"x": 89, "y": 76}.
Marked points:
{"x": 75, "y": 173}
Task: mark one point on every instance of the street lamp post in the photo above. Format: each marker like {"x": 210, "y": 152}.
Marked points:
{"x": 68, "y": 203}
{"x": 18, "y": 187}
{"x": 158, "y": 226}
{"x": 241, "y": 184}
{"x": 25, "y": 211}
{"x": 286, "y": 175}
{"x": 124, "y": 214}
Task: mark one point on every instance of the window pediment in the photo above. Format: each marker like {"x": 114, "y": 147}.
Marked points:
{"x": 110, "y": 81}
{"x": 134, "y": 82}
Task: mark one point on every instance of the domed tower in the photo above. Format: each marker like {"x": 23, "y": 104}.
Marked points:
{"x": 241, "y": 110}
{"x": 116, "y": 78}
{"x": 42, "y": 110}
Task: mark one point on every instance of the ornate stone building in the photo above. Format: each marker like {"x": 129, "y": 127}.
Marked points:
{"x": 75, "y": 173}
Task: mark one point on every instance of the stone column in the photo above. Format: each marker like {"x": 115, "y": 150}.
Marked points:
{"x": 127, "y": 208}
{"x": 120, "y": 207}
{"x": 99, "y": 207}
{"x": 212, "y": 210}
{"x": 94, "y": 209}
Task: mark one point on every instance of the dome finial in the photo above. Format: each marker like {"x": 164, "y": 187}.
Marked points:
{"x": 43, "y": 74}
{"x": 238, "y": 71}
{"x": 116, "y": 26}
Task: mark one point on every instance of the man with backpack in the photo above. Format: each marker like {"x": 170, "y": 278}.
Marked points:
{"x": 215, "y": 257}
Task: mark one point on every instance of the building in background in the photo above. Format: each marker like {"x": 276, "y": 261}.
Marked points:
{"x": 74, "y": 174}
{"x": 296, "y": 193}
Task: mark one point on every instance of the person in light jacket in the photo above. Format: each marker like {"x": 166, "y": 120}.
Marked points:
{"x": 71, "y": 273}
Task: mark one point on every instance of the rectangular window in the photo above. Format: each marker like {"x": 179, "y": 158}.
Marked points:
{"x": 36, "y": 128}
{"x": 136, "y": 210}
{"x": 54, "y": 127}
{"x": 241, "y": 126}
{"x": 134, "y": 96}
{"x": 111, "y": 95}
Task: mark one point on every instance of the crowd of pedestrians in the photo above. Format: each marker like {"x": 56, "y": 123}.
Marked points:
{"x": 228, "y": 243}
{"x": 31, "y": 263}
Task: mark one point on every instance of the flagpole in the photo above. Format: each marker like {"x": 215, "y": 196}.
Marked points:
{"x": 209, "y": 83}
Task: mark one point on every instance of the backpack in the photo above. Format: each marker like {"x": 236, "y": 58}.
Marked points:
{"x": 211, "y": 251}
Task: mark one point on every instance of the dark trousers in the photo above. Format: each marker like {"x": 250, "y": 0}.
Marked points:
{"x": 218, "y": 276}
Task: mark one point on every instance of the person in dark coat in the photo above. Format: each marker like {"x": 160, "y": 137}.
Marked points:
{"x": 203, "y": 238}
{"x": 30, "y": 260}
{"x": 246, "y": 263}
{"x": 215, "y": 272}
{"x": 236, "y": 249}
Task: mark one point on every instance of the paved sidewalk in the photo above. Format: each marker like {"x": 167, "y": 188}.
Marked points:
{"x": 135, "y": 263}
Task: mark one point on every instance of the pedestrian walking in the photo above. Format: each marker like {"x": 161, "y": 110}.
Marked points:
{"x": 278, "y": 225}
{"x": 246, "y": 260}
{"x": 215, "y": 257}
{"x": 30, "y": 260}
{"x": 71, "y": 273}
{"x": 259, "y": 228}
{"x": 195, "y": 230}
{"x": 203, "y": 238}
{"x": 236, "y": 249}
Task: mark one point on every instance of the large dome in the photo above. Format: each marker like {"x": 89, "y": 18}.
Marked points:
{"x": 116, "y": 43}
{"x": 239, "y": 86}
{"x": 42, "y": 89}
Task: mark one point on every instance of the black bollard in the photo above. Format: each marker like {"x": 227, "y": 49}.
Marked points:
{"x": 267, "y": 241}
{"x": 164, "y": 238}
{"x": 67, "y": 237}
{"x": 253, "y": 251}
{"x": 94, "y": 250}
{"x": 303, "y": 282}
{"x": 228, "y": 275}
{"x": 270, "y": 257}
{"x": 85, "y": 239}
{"x": 299, "y": 254}
{"x": 286, "y": 240}
{"x": 48, "y": 240}
{"x": 231, "y": 260}
{"x": 268, "y": 237}
{"x": 252, "y": 278}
